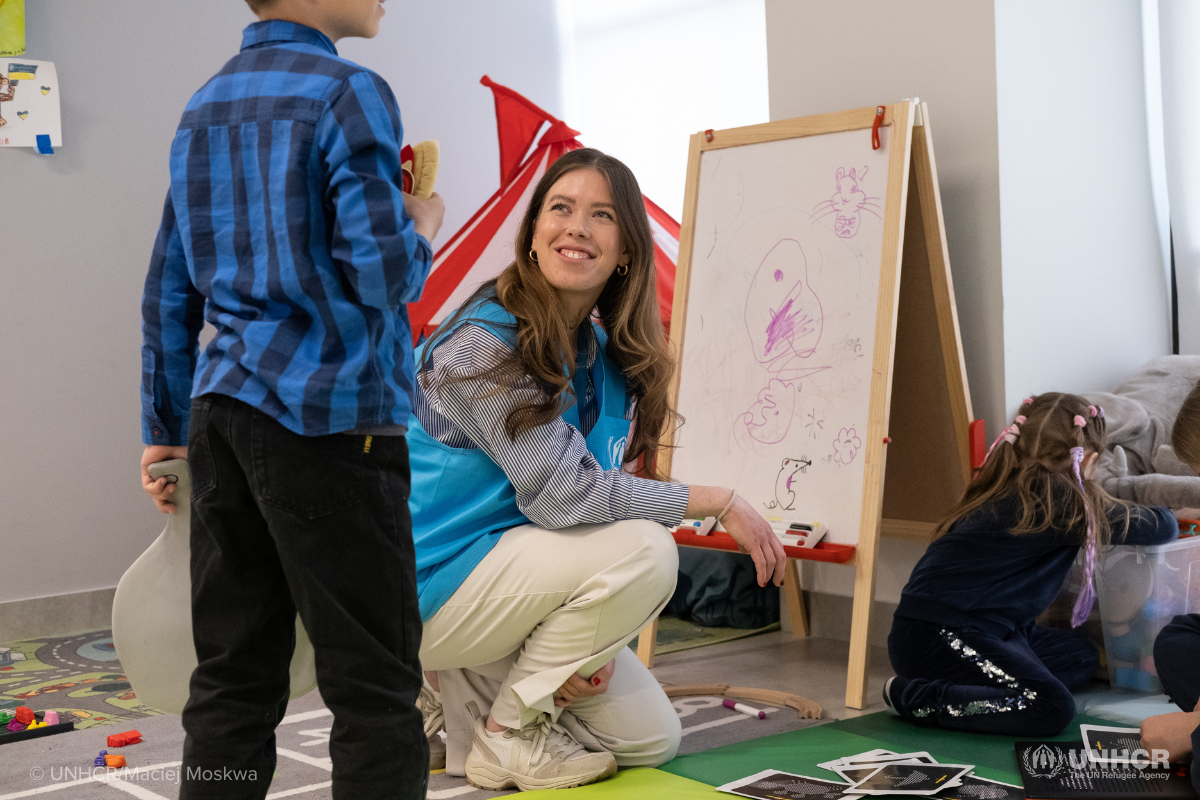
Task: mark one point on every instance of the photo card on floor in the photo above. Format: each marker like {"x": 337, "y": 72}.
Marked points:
{"x": 771, "y": 784}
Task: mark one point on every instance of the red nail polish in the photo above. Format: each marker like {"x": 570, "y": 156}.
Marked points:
{"x": 595, "y": 681}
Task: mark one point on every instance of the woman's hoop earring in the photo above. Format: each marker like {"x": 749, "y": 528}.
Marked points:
{"x": 622, "y": 270}
{"x": 533, "y": 255}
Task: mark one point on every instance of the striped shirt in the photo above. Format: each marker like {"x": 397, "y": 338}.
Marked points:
{"x": 285, "y": 228}
{"x": 558, "y": 482}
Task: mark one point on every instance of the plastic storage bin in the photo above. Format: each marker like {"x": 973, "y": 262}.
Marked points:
{"x": 1140, "y": 590}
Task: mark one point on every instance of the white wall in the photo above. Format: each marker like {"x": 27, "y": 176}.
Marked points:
{"x": 72, "y": 262}
{"x": 648, "y": 74}
{"x": 1179, "y": 24}
{"x": 433, "y": 55}
{"x": 825, "y": 57}
{"x": 1085, "y": 298}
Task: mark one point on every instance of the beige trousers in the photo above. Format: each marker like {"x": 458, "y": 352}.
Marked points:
{"x": 544, "y": 605}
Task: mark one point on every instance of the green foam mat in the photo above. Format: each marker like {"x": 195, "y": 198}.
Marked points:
{"x": 640, "y": 783}
{"x": 800, "y": 751}
{"x": 994, "y": 755}
{"x": 795, "y": 751}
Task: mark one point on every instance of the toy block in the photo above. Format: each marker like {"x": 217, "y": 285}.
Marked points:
{"x": 51, "y": 718}
{"x": 37, "y": 723}
{"x": 6, "y": 717}
{"x": 24, "y": 715}
{"x": 122, "y": 739}
{"x": 15, "y": 726}
{"x": 99, "y": 760}
{"x": 114, "y": 761}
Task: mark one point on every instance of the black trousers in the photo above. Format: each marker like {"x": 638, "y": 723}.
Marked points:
{"x": 283, "y": 523}
{"x": 1177, "y": 662}
{"x": 971, "y": 680}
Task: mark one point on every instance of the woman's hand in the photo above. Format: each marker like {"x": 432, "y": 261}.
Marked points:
{"x": 754, "y": 536}
{"x": 578, "y": 686}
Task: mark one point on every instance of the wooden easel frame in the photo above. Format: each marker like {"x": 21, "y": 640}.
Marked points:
{"x": 929, "y": 413}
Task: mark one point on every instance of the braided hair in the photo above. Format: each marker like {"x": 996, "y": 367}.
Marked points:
{"x": 1038, "y": 460}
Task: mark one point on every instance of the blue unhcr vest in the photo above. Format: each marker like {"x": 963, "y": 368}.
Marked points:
{"x": 462, "y": 502}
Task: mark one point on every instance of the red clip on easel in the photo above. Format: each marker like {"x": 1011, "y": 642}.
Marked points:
{"x": 875, "y": 143}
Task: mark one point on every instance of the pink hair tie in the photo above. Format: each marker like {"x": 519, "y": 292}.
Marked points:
{"x": 1019, "y": 419}
{"x": 1095, "y": 411}
{"x": 1027, "y": 401}
{"x": 1080, "y": 422}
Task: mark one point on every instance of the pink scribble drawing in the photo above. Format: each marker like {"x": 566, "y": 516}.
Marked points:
{"x": 784, "y": 317}
{"x": 770, "y": 417}
{"x": 848, "y": 203}
{"x": 846, "y": 446}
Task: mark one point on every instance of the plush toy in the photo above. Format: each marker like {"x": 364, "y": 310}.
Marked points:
{"x": 419, "y": 163}
{"x": 1140, "y": 465}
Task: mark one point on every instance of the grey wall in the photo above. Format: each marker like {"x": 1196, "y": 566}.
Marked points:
{"x": 1085, "y": 294}
{"x": 73, "y": 258}
{"x": 824, "y": 57}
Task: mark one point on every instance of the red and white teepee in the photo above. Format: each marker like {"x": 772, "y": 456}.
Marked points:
{"x": 483, "y": 247}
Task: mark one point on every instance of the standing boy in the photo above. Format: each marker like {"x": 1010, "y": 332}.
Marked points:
{"x": 285, "y": 227}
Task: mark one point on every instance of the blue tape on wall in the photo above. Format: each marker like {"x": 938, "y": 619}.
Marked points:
{"x": 44, "y": 147}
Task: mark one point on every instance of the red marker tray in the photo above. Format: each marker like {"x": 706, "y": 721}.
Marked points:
{"x": 719, "y": 540}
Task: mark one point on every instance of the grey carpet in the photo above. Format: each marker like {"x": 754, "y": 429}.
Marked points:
{"x": 59, "y": 767}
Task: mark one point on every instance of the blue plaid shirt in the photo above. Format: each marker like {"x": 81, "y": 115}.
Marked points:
{"x": 284, "y": 227}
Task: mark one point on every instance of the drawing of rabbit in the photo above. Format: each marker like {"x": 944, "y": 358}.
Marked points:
{"x": 848, "y": 202}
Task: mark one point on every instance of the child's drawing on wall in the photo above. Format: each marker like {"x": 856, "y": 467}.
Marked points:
{"x": 8, "y": 91}
{"x": 848, "y": 202}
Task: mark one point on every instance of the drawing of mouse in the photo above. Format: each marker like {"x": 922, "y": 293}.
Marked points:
{"x": 784, "y": 317}
{"x": 785, "y": 495}
{"x": 770, "y": 417}
{"x": 848, "y": 202}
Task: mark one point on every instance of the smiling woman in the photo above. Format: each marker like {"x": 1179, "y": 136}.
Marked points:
{"x": 540, "y": 528}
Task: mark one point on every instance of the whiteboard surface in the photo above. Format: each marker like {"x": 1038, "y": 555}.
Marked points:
{"x": 775, "y": 376}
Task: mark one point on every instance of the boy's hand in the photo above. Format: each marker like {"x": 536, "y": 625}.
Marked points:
{"x": 426, "y": 214}
{"x": 1186, "y": 513}
{"x": 1171, "y": 732}
{"x": 578, "y": 687}
{"x": 160, "y": 490}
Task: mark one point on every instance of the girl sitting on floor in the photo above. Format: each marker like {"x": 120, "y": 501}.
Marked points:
{"x": 964, "y": 645}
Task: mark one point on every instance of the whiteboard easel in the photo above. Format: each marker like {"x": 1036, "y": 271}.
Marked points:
{"x": 915, "y": 395}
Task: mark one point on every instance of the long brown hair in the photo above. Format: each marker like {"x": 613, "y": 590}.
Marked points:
{"x": 627, "y": 308}
{"x": 1035, "y": 465}
{"x": 1185, "y": 433}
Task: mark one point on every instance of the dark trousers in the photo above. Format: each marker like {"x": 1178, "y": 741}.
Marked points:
{"x": 281, "y": 524}
{"x": 970, "y": 680}
{"x": 1177, "y": 662}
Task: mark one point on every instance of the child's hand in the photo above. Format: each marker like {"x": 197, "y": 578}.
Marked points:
{"x": 577, "y": 686}
{"x": 1171, "y": 732}
{"x": 160, "y": 490}
{"x": 1186, "y": 513}
{"x": 426, "y": 214}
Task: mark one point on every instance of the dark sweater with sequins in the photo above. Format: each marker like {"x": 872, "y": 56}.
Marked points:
{"x": 979, "y": 575}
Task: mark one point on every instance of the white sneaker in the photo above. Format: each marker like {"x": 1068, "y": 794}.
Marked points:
{"x": 430, "y": 704}
{"x": 540, "y": 756}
